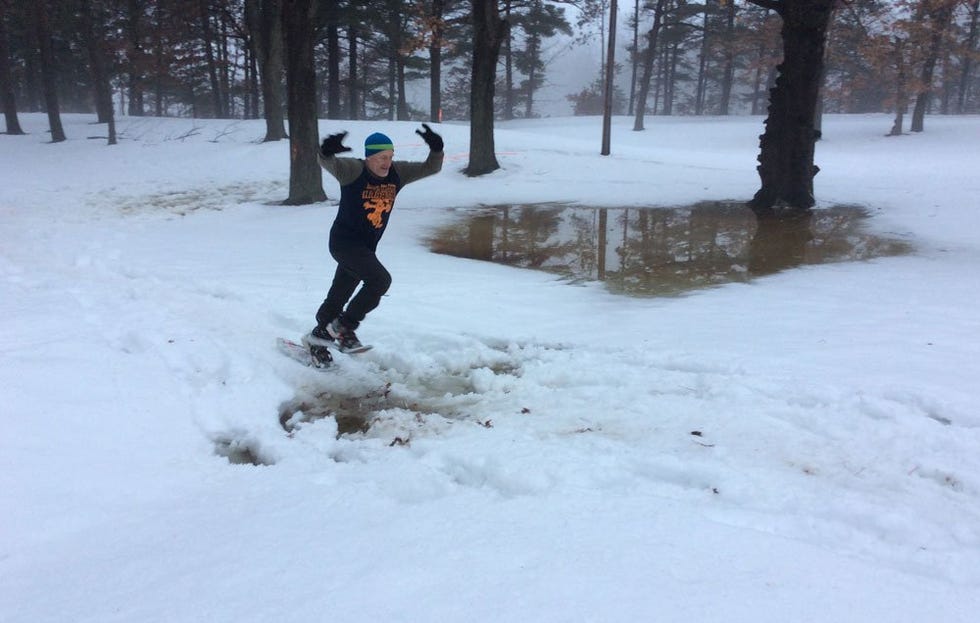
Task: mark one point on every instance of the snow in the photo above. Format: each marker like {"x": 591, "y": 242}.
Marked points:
{"x": 802, "y": 447}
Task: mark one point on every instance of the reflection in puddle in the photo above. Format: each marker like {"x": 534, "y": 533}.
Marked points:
{"x": 661, "y": 251}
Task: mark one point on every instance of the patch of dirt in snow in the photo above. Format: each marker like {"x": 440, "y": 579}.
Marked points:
{"x": 186, "y": 200}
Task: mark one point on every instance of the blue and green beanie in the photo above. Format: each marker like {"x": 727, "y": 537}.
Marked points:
{"x": 375, "y": 143}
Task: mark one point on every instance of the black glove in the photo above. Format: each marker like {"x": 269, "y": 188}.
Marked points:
{"x": 333, "y": 145}
{"x": 433, "y": 140}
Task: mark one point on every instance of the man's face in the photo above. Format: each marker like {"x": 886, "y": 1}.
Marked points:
{"x": 380, "y": 163}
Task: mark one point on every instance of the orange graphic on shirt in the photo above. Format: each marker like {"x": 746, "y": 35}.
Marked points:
{"x": 378, "y": 200}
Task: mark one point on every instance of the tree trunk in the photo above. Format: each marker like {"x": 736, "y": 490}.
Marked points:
{"x": 970, "y": 45}
{"x": 607, "y": 104}
{"x": 702, "y": 82}
{"x": 786, "y": 166}
{"x": 205, "y": 19}
{"x": 333, "y": 69}
{"x": 97, "y": 60}
{"x": 728, "y": 77}
{"x": 305, "y": 181}
{"x": 508, "y": 68}
{"x": 648, "y": 57}
{"x": 901, "y": 94}
{"x": 938, "y": 24}
{"x": 391, "y": 87}
{"x": 635, "y": 56}
{"x": 533, "y": 54}
{"x": 48, "y": 78}
{"x": 6, "y": 86}
{"x": 352, "y": 86}
{"x": 402, "y": 106}
{"x": 159, "y": 62}
{"x": 135, "y": 56}
{"x": 435, "y": 62}
{"x": 488, "y": 34}
{"x": 264, "y": 18}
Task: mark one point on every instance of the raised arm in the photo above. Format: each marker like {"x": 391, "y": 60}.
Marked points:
{"x": 413, "y": 171}
{"x": 345, "y": 170}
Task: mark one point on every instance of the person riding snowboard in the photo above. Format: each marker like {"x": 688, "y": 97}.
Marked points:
{"x": 367, "y": 194}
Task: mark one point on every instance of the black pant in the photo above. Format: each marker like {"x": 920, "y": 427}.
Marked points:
{"x": 355, "y": 264}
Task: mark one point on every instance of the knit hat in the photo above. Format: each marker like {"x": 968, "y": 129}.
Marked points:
{"x": 375, "y": 143}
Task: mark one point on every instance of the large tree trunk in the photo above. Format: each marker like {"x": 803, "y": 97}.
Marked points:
{"x": 648, "y": 56}
{"x": 264, "y": 18}
{"x": 938, "y": 23}
{"x": 6, "y": 86}
{"x": 488, "y": 34}
{"x": 43, "y": 33}
{"x": 305, "y": 180}
{"x": 786, "y": 165}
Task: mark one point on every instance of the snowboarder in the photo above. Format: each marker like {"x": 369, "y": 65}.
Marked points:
{"x": 367, "y": 195}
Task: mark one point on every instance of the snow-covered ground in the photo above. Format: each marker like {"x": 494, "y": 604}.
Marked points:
{"x": 801, "y": 448}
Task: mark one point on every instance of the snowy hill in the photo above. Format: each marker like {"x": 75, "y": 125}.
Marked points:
{"x": 803, "y": 447}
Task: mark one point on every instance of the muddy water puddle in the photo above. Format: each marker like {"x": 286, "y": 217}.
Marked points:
{"x": 644, "y": 251}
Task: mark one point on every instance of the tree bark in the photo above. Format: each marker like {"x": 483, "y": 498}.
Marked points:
{"x": 48, "y": 78}
{"x": 702, "y": 82}
{"x": 635, "y": 56}
{"x": 97, "y": 60}
{"x": 6, "y": 86}
{"x": 508, "y": 68}
{"x": 489, "y": 32}
{"x": 264, "y": 18}
{"x": 967, "y": 68}
{"x": 352, "y": 80}
{"x": 305, "y": 178}
{"x": 134, "y": 36}
{"x": 786, "y": 166}
{"x": 728, "y": 76}
{"x": 205, "y": 20}
{"x": 333, "y": 69}
{"x": 648, "y": 57}
{"x": 607, "y": 104}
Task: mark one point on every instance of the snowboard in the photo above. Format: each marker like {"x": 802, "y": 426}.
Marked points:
{"x": 304, "y": 354}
